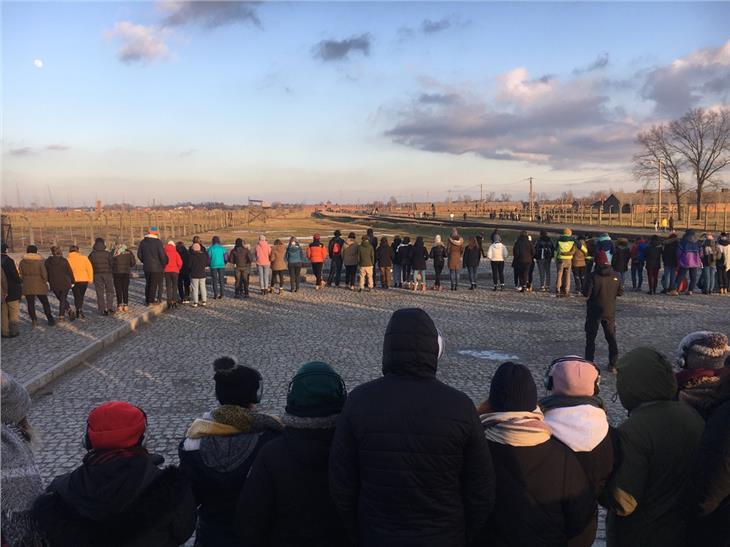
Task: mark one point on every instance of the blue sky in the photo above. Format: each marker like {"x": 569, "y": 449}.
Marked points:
{"x": 304, "y": 101}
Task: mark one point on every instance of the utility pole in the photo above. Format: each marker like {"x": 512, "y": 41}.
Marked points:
{"x": 659, "y": 194}
{"x": 531, "y": 200}
{"x": 481, "y": 198}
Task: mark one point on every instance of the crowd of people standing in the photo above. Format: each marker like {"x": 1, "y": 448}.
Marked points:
{"x": 402, "y": 460}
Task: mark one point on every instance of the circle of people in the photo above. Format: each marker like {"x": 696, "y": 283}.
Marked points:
{"x": 402, "y": 460}
{"x": 688, "y": 263}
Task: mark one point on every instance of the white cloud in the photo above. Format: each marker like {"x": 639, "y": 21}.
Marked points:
{"x": 139, "y": 43}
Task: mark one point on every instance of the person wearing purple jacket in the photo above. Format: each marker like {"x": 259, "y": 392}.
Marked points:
{"x": 688, "y": 261}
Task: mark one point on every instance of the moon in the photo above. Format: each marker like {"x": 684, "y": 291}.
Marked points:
{"x": 38, "y": 63}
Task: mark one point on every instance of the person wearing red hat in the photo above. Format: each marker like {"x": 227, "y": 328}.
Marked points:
{"x": 317, "y": 254}
{"x": 119, "y": 495}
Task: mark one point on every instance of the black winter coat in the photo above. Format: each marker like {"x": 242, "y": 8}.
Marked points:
{"x": 409, "y": 465}
{"x": 404, "y": 254}
{"x": 60, "y": 275}
{"x": 621, "y": 258}
{"x": 151, "y": 253}
{"x": 15, "y": 284}
{"x": 653, "y": 255}
{"x": 331, "y": 245}
{"x": 602, "y": 288}
{"x": 419, "y": 256}
{"x": 123, "y": 263}
{"x": 182, "y": 250}
{"x": 286, "y": 499}
{"x": 523, "y": 250}
{"x": 396, "y": 243}
{"x": 545, "y": 248}
{"x": 472, "y": 257}
{"x": 101, "y": 259}
{"x": 438, "y": 255}
{"x": 669, "y": 252}
{"x": 384, "y": 256}
{"x": 241, "y": 258}
{"x": 543, "y": 496}
{"x": 127, "y": 502}
{"x": 198, "y": 263}
{"x": 709, "y": 491}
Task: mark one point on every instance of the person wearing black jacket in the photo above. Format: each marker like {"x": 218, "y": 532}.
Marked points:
{"x": 397, "y": 269}
{"x": 523, "y": 253}
{"x": 438, "y": 255}
{"x": 621, "y": 258}
{"x": 384, "y": 258}
{"x": 118, "y": 496}
{"x": 543, "y": 495}
{"x": 151, "y": 253}
{"x": 285, "y": 500}
{"x": 653, "y": 256}
{"x": 471, "y": 258}
{"x": 544, "y": 252}
{"x": 11, "y": 300}
{"x": 602, "y": 288}
{"x": 101, "y": 262}
{"x": 669, "y": 261}
{"x": 334, "y": 250}
{"x": 374, "y": 243}
{"x": 198, "y": 264}
{"x": 242, "y": 258}
{"x": 60, "y": 279}
{"x": 419, "y": 256}
{"x": 122, "y": 264}
{"x": 183, "y": 279}
{"x": 409, "y": 464}
{"x": 404, "y": 255}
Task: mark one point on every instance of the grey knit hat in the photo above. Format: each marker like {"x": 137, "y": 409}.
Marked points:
{"x": 703, "y": 349}
{"x": 15, "y": 401}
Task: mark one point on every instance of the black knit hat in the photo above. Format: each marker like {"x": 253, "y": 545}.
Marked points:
{"x": 315, "y": 391}
{"x": 411, "y": 343}
{"x": 512, "y": 389}
{"x": 236, "y": 384}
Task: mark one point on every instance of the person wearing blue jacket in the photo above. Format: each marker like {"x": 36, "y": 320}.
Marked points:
{"x": 217, "y": 256}
{"x": 294, "y": 257}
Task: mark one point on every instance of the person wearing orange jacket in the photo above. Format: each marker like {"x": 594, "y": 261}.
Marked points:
{"x": 317, "y": 254}
{"x": 172, "y": 270}
{"x": 83, "y": 275}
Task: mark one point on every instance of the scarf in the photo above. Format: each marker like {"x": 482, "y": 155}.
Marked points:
{"x": 516, "y": 428}
{"x": 120, "y": 249}
{"x": 559, "y": 401}
{"x": 232, "y": 420}
{"x": 101, "y": 456}
{"x": 298, "y": 422}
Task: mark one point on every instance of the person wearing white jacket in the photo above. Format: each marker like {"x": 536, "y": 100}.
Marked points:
{"x": 497, "y": 254}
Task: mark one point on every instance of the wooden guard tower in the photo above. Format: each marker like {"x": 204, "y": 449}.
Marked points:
{"x": 256, "y": 211}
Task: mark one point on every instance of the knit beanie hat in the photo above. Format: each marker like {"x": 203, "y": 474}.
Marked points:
{"x": 154, "y": 230}
{"x": 14, "y": 400}
{"x": 573, "y": 377}
{"x": 512, "y": 389}
{"x": 567, "y": 232}
{"x": 703, "y": 349}
{"x": 412, "y": 344}
{"x": 236, "y": 384}
{"x": 115, "y": 424}
{"x": 315, "y": 391}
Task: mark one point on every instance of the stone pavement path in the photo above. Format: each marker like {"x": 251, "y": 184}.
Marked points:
{"x": 166, "y": 367}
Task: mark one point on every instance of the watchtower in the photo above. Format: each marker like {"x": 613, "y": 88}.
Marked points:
{"x": 7, "y": 232}
{"x": 256, "y": 211}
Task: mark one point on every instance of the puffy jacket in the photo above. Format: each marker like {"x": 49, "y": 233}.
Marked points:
{"x": 184, "y": 253}
{"x": 497, "y": 252}
{"x": 350, "y": 253}
{"x": 174, "y": 260}
{"x": 565, "y": 248}
{"x": 286, "y": 499}
{"x": 523, "y": 250}
{"x": 419, "y": 256}
{"x": 125, "y": 502}
{"x": 294, "y": 254}
{"x": 396, "y": 243}
{"x": 658, "y": 441}
{"x": 151, "y": 253}
{"x": 316, "y": 252}
{"x": 241, "y": 258}
{"x": 602, "y": 288}
{"x": 366, "y": 254}
{"x": 33, "y": 272}
{"x": 384, "y": 256}
{"x": 621, "y": 257}
{"x": 669, "y": 252}
{"x": 217, "y": 255}
{"x": 14, "y": 284}
{"x": 438, "y": 255}
{"x": 638, "y": 251}
{"x": 689, "y": 252}
{"x": 101, "y": 259}
{"x": 723, "y": 253}
{"x": 454, "y": 252}
{"x": 404, "y": 252}
{"x": 60, "y": 276}
{"x": 709, "y": 252}
{"x": 263, "y": 252}
{"x": 580, "y": 253}
{"x": 278, "y": 262}
{"x": 198, "y": 263}
{"x": 410, "y": 465}
{"x": 81, "y": 267}
{"x": 123, "y": 262}
{"x": 544, "y": 248}
{"x": 472, "y": 257}
{"x": 654, "y": 254}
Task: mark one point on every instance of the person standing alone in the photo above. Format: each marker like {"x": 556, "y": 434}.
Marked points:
{"x": 602, "y": 288}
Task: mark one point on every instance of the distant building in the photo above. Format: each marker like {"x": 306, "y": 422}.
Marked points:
{"x": 612, "y": 204}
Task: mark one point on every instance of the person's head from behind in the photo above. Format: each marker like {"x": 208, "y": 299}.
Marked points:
{"x": 454, "y": 232}
{"x": 4, "y": 248}
{"x": 56, "y": 251}
{"x": 238, "y": 242}
{"x": 472, "y": 242}
{"x": 437, "y": 239}
{"x": 364, "y": 239}
{"x": 180, "y": 244}
{"x": 406, "y": 240}
{"x": 644, "y": 375}
{"x": 351, "y": 235}
{"x": 293, "y": 241}
{"x": 543, "y": 233}
{"x": 237, "y": 384}
{"x": 572, "y": 376}
{"x": 73, "y": 249}
{"x": 383, "y": 241}
{"x": 262, "y": 237}
{"x": 316, "y": 391}
{"x": 196, "y": 239}
{"x": 15, "y": 403}
{"x": 115, "y": 425}
{"x": 338, "y": 233}
{"x": 278, "y": 242}
{"x": 419, "y": 241}
{"x": 412, "y": 344}
{"x": 216, "y": 240}
{"x": 512, "y": 390}
{"x": 369, "y": 232}
{"x": 31, "y": 249}
{"x": 703, "y": 350}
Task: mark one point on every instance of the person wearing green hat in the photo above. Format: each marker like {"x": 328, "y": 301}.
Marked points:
{"x": 286, "y": 498}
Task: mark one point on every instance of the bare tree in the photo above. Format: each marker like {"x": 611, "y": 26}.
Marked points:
{"x": 392, "y": 202}
{"x": 656, "y": 147}
{"x": 567, "y": 197}
{"x": 505, "y": 196}
{"x": 702, "y": 138}
{"x": 490, "y": 196}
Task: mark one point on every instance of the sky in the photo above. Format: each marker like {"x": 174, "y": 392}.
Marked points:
{"x": 178, "y": 101}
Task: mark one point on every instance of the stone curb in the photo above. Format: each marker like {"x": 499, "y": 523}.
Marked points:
{"x": 41, "y": 380}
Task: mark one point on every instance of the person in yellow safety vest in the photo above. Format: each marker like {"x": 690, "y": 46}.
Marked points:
{"x": 564, "y": 251}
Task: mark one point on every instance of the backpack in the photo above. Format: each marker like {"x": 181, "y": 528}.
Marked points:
{"x": 336, "y": 248}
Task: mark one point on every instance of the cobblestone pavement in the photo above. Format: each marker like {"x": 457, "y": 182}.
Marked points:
{"x": 166, "y": 367}
{"x": 38, "y": 349}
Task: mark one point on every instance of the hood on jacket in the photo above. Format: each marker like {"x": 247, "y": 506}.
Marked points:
{"x": 458, "y": 241}
{"x": 411, "y": 345}
{"x": 690, "y": 235}
{"x": 99, "y": 492}
{"x": 581, "y": 427}
{"x": 170, "y": 247}
{"x": 32, "y": 256}
{"x": 644, "y": 376}
{"x": 622, "y": 242}
{"x": 99, "y": 246}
